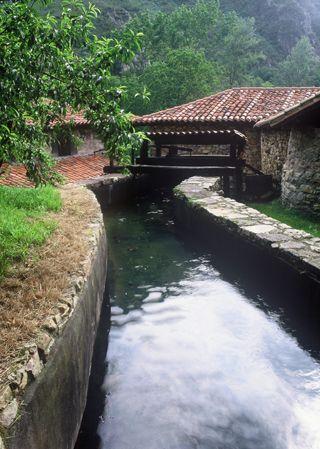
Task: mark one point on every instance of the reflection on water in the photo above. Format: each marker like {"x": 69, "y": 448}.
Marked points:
{"x": 192, "y": 361}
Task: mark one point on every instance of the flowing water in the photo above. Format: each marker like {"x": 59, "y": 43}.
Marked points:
{"x": 194, "y": 359}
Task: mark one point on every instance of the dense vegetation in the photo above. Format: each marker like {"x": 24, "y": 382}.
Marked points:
{"x": 291, "y": 217}
{"x": 193, "y": 48}
{"x": 49, "y": 63}
{"x": 22, "y": 221}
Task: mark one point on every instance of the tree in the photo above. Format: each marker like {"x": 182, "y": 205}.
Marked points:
{"x": 185, "y": 27}
{"x": 301, "y": 67}
{"x": 49, "y": 64}
{"x": 183, "y": 76}
{"x": 237, "y": 49}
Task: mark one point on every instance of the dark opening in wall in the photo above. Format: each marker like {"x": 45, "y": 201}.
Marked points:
{"x": 64, "y": 146}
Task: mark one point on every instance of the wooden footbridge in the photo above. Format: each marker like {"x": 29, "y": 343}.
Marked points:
{"x": 165, "y": 154}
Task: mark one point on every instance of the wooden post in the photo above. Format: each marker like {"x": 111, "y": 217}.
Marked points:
{"x": 158, "y": 150}
{"x": 239, "y": 180}
{"x": 144, "y": 149}
{"x": 233, "y": 151}
{"x": 132, "y": 156}
{"x": 226, "y": 185}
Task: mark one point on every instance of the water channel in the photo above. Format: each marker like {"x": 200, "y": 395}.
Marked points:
{"x": 198, "y": 357}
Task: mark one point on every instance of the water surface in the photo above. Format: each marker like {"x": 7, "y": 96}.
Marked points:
{"x": 194, "y": 361}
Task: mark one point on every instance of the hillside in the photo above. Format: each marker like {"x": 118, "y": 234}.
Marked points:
{"x": 280, "y": 22}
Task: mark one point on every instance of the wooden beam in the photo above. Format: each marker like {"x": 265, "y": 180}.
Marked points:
{"x": 188, "y": 138}
{"x": 239, "y": 181}
{"x": 219, "y": 161}
{"x": 187, "y": 170}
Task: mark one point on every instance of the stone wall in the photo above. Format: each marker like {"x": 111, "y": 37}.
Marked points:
{"x": 252, "y": 149}
{"x": 301, "y": 172}
{"x": 274, "y": 147}
{"x": 89, "y": 143}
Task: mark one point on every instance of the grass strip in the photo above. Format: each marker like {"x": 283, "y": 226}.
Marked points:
{"x": 291, "y": 217}
{"x": 23, "y": 222}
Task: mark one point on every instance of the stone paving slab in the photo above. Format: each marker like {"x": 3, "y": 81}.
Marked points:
{"x": 298, "y": 248}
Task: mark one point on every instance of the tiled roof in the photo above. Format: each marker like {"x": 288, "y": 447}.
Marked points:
{"x": 73, "y": 168}
{"x": 237, "y": 105}
{"x": 77, "y": 118}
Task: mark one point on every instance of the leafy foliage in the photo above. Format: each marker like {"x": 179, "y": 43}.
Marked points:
{"x": 189, "y": 53}
{"x": 49, "y": 63}
{"x": 237, "y": 49}
{"x": 184, "y": 75}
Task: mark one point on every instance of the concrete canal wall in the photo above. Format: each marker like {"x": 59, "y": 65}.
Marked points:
{"x": 118, "y": 188}
{"x": 238, "y": 229}
{"x": 47, "y": 395}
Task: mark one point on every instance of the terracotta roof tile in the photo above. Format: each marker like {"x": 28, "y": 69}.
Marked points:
{"x": 290, "y": 113}
{"x": 77, "y": 118}
{"x": 73, "y": 168}
{"x": 244, "y": 105}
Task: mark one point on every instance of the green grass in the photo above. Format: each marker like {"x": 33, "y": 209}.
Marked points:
{"x": 291, "y": 217}
{"x": 22, "y": 221}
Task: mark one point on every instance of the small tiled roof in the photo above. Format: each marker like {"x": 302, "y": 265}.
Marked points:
{"x": 73, "y": 168}
{"x": 76, "y": 118}
{"x": 237, "y": 105}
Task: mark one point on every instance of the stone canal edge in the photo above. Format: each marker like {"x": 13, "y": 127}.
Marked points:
{"x": 200, "y": 206}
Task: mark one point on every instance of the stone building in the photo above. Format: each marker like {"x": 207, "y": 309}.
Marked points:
{"x": 82, "y": 141}
{"x": 241, "y": 109}
{"x": 299, "y": 126}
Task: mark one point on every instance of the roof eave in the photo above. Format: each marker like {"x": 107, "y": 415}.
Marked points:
{"x": 221, "y": 121}
{"x": 283, "y": 117}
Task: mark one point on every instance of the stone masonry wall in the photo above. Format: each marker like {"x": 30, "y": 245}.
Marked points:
{"x": 274, "y": 147}
{"x": 301, "y": 172}
{"x": 252, "y": 149}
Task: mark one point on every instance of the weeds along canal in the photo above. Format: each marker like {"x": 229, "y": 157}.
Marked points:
{"x": 199, "y": 355}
